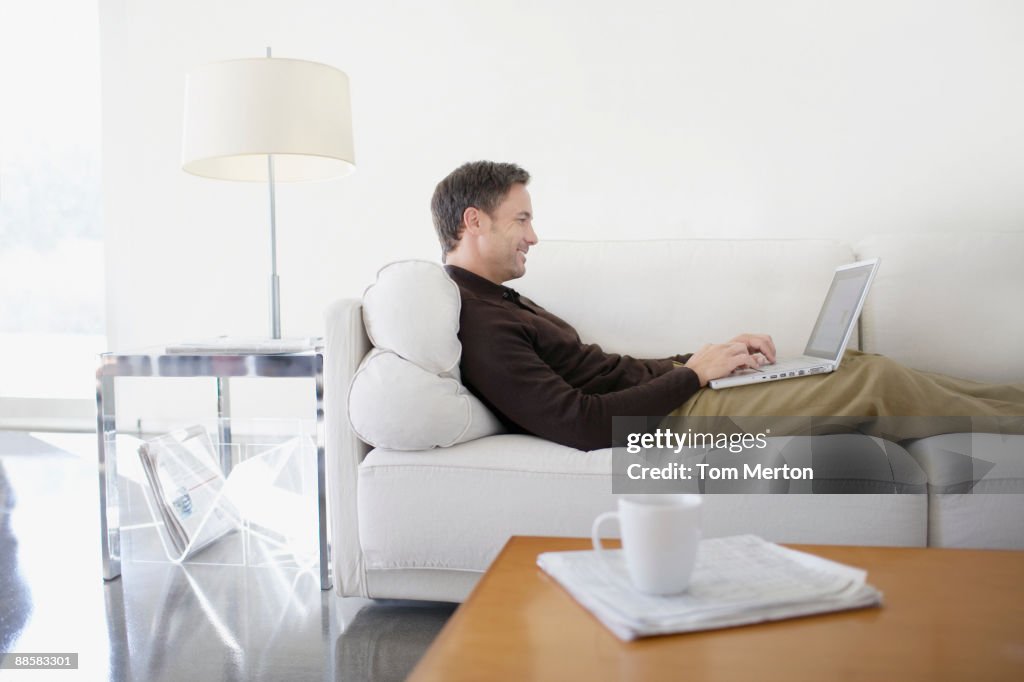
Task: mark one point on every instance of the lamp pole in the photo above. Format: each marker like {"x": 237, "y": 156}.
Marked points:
{"x": 275, "y": 282}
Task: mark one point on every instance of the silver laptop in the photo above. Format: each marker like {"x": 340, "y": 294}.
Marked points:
{"x": 831, "y": 332}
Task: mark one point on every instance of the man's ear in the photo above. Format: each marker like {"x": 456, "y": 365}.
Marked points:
{"x": 471, "y": 220}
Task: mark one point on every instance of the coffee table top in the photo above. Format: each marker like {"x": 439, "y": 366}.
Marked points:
{"x": 947, "y": 614}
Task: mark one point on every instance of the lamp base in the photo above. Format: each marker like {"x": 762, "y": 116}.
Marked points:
{"x": 275, "y": 307}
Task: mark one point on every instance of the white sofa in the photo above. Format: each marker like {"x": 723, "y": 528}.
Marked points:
{"x": 426, "y": 524}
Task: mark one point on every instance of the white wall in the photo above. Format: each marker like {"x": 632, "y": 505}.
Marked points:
{"x": 640, "y": 119}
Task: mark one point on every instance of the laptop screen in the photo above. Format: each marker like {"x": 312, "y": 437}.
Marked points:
{"x": 839, "y": 312}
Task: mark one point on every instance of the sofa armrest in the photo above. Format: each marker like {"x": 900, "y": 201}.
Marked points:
{"x": 345, "y": 345}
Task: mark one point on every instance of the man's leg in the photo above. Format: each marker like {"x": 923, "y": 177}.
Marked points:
{"x": 872, "y": 386}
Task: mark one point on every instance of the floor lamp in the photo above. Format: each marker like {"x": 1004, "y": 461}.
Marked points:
{"x": 268, "y": 120}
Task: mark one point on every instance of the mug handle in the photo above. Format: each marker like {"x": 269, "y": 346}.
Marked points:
{"x": 595, "y": 530}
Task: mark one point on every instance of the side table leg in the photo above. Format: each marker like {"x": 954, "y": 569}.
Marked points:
{"x": 326, "y": 581}
{"x": 110, "y": 513}
{"x": 224, "y": 423}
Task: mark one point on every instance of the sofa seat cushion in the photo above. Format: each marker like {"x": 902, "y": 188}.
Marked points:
{"x": 975, "y": 489}
{"x": 849, "y": 464}
{"x": 453, "y": 509}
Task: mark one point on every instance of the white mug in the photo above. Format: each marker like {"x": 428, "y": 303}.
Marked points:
{"x": 660, "y": 534}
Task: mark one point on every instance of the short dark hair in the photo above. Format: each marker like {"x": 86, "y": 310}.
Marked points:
{"x": 480, "y": 184}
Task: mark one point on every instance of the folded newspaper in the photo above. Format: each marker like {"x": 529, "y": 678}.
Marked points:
{"x": 229, "y": 345}
{"x": 186, "y": 485}
{"x": 737, "y": 580}
{"x": 197, "y": 505}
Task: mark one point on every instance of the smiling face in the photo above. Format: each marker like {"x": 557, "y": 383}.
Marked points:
{"x": 501, "y": 239}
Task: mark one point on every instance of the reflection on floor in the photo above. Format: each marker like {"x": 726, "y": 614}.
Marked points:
{"x": 162, "y": 621}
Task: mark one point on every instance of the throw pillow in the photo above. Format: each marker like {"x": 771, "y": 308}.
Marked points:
{"x": 398, "y": 405}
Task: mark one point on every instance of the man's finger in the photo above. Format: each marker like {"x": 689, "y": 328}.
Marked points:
{"x": 744, "y": 360}
{"x": 764, "y": 344}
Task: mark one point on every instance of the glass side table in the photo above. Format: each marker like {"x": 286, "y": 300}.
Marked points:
{"x": 156, "y": 362}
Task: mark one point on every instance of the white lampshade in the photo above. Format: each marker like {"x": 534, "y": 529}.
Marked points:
{"x": 237, "y": 112}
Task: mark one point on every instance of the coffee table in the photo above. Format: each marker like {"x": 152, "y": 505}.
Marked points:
{"x": 948, "y": 614}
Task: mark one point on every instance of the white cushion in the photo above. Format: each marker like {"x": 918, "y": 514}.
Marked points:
{"x": 406, "y": 394}
{"x": 948, "y": 303}
{"x": 413, "y": 309}
{"x": 973, "y": 463}
{"x": 396, "y": 404}
{"x": 652, "y": 299}
{"x": 975, "y": 486}
{"x": 455, "y": 508}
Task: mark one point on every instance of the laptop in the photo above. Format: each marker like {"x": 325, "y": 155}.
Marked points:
{"x": 831, "y": 332}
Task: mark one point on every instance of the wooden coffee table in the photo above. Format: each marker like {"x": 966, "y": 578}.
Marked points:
{"x": 948, "y": 614}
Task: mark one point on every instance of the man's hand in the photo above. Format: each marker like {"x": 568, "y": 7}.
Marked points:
{"x": 757, "y": 343}
{"x": 714, "y": 361}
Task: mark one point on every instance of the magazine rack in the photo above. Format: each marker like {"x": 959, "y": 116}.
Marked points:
{"x": 261, "y": 514}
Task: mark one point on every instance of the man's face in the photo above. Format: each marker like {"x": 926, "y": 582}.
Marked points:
{"x": 507, "y": 235}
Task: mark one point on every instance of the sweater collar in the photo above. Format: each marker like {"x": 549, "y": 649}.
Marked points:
{"x": 479, "y": 285}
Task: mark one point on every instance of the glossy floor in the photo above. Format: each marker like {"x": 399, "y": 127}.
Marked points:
{"x": 162, "y": 621}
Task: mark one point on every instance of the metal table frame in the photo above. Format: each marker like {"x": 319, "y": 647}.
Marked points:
{"x": 307, "y": 364}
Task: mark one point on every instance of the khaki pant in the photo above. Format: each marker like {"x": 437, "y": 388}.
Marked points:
{"x": 878, "y": 394}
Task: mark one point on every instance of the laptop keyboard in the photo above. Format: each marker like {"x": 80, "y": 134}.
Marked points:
{"x": 790, "y": 364}
{"x": 800, "y": 368}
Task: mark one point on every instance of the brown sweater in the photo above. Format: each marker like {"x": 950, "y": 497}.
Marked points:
{"x": 532, "y": 370}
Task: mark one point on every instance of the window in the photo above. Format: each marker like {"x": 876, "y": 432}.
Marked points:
{"x": 51, "y": 250}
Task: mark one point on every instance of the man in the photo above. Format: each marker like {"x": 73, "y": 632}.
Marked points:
{"x": 534, "y": 372}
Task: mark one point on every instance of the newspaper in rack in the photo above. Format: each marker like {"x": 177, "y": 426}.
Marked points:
{"x": 186, "y": 485}
{"x": 737, "y": 581}
{"x": 197, "y": 505}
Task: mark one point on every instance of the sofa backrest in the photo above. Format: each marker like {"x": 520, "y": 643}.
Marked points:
{"x": 662, "y": 297}
{"x": 949, "y": 303}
